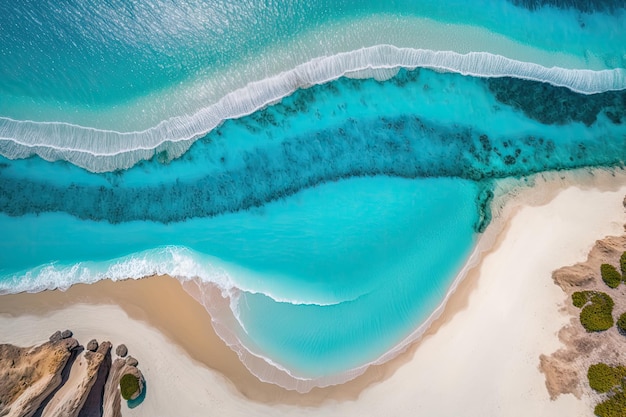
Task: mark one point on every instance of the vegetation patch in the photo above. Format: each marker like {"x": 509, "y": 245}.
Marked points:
{"x": 603, "y": 378}
{"x": 615, "y": 406}
{"x": 610, "y": 276}
{"x": 622, "y": 266}
{"x": 612, "y": 380}
{"x": 129, "y": 385}
{"x": 579, "y": 298}
{"x": 597, "y": 313}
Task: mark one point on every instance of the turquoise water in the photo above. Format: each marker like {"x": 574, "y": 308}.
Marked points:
{"x": 345, "y": 249}
{"x": 136, "y": 138}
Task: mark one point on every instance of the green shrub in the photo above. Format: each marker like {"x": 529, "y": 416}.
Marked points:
{"x": 610, "y": 276}
{"x": 622, "y": 265}
{"x": 603, "y": 378}
{"x": 615, "y": 406}
{"x": 597, "y": 313}
{"x": 594, "y": 319}
{"x": 580, "y": 298}
{"x": 129, "y": 385}
{"x": 621, "y": 324}
{"x": 612, "y": 380}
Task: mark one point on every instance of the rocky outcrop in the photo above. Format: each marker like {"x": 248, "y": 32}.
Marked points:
{"x": 69, "y": 400}
{"x": 132, "y": 370}
{"x": 93, "y": 404}
{"x": 112, "y": 400}
{"x": 28, "y": 376}
{"x": 60, "y": 378}
{"x": 112, "y": 395}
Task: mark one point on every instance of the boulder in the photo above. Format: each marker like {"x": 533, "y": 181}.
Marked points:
{"x": 111, "y": 406}
{"x": 130, "y": 361}
{"x": 56, "y": 336}
{"x": 137, "y": 374}
{"x": 121, "y": 351}
{"x": 70, "y": 343}
{"x": 65, "y": 334}
{"x": 92, "y": 346}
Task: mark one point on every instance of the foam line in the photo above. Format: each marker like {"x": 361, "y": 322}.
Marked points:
{"x": 100, "y": 150}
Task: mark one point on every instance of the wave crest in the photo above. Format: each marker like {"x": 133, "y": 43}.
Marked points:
{"x": 176, "y": 261}
{"x": 100, "y": 150}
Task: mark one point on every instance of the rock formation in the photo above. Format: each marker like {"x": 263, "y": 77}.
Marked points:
{"x": 60, "y": 378}
{"x": 29, "y": 375}
{"x": 68, "y": 401}
{"x": 112, "y": 396}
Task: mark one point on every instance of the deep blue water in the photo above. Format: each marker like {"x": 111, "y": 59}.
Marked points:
{"x": 137, "y": 139}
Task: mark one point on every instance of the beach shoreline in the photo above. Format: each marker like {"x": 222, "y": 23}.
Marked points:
{"x": 159, "y": 307}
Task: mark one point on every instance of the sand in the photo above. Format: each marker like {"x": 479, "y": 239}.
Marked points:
{"x": 479, "y": 358}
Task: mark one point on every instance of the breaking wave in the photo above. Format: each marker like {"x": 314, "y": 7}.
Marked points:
{"x": 100, "y": 150}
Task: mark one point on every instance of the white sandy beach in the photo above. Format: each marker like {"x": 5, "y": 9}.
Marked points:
{"x": 480, "y": 358}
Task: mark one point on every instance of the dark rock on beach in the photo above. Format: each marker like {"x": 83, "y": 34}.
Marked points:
{"x": 56, "y": 336}
{"x": 92, "y": 346}
{"x": 121, "y": 351}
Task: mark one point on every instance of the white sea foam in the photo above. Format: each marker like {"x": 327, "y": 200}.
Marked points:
{"x": 208, "y": 283}
{"x": 176, "y": 261}
{"x": 199, "y": 277}
{"x": 101, "y": 150}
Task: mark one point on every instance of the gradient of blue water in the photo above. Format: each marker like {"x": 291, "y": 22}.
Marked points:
{"x": 382, "y": 250}
{"x": 428, "y": 125}
{"x": 340, "y": 215}
{"x": 99, "y": 54}
{"x": 401, "y": 267}
{"x": 338, "y": 258}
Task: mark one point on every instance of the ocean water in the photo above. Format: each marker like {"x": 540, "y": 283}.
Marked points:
{"x": 320, "y": 171}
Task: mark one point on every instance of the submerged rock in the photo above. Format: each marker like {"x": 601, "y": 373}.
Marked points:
{"x": 66, "y": 334}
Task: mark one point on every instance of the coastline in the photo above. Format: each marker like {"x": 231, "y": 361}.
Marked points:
{"x": 480, "y": 325}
